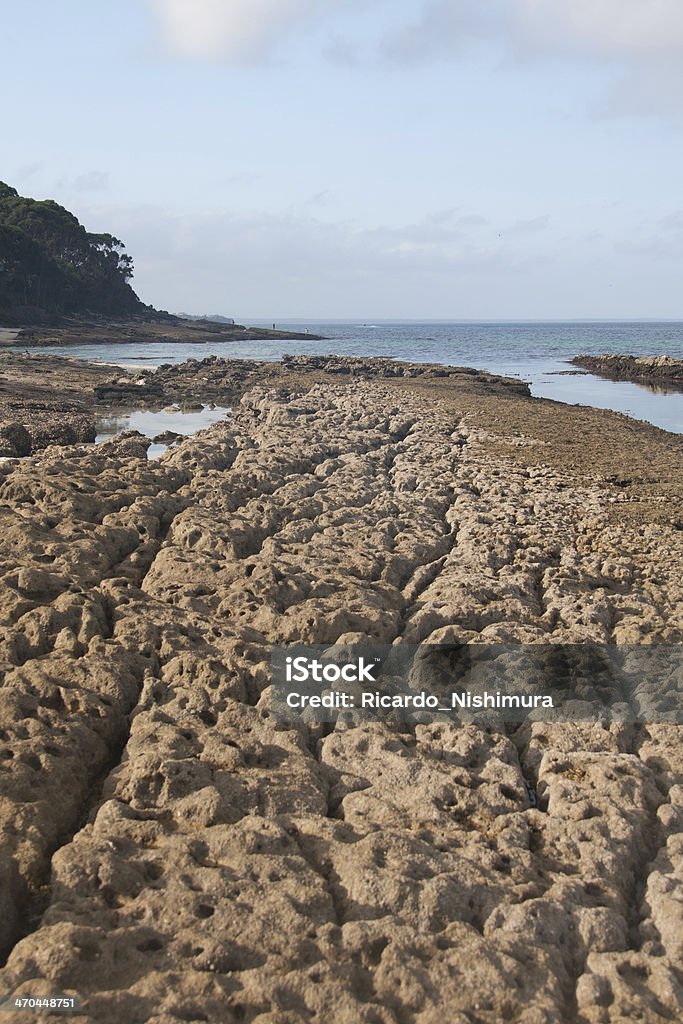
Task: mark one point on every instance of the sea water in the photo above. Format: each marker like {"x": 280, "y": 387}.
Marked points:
{"x": 535, "y": 352}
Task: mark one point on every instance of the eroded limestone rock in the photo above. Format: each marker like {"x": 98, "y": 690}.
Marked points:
{"x": 212, "y": 864}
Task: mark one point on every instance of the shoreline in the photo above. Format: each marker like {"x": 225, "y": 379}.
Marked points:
{"x": 140, "y": 330}
{"x": 663, "y": 372}
{"x": 47, "y": 399}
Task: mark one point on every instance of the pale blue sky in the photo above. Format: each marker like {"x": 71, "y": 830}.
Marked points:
{"x": 362, "y": 158}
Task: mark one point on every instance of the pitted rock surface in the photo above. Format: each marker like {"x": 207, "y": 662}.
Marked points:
{"x": 172, "y": 853}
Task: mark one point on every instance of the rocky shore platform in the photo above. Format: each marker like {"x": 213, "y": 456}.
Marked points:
{"x": 658, "y": 371}
{"x": 154, "y": 328}
{"x": 47, "y": 399}
{"x": 171, "y": 853}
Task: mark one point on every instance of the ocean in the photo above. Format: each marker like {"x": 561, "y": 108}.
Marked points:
{"x": 535, "y": 352}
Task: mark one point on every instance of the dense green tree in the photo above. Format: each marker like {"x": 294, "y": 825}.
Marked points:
{"x": 50, "y": 263}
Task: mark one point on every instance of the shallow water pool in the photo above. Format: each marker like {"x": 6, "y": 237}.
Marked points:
{"x": 151, "y": 423}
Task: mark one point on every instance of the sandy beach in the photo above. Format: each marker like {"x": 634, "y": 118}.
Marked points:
{"x": 171, "y": 853}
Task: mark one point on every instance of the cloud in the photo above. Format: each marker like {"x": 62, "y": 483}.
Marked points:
{"x": 90, "y": 181}
{"x": 617, "y": 28}
{"x": 258, "y": 264}
{"x": 232, "y": 29}
{"x": 343, "y": 52}
{"x": 255, "y": 264}
{"x": 444, "y": 28}
{"x": 641, "y": 41}
{"x": 528, "y": 226}
{"x": 30, "y": 170}
{"x": 672, "y": 221}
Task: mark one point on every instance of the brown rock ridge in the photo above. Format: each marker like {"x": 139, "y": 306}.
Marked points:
{"x": 46, "y": 399}
{"x": 173, "y": 854}
{"x": 658, "y": 371}
{"x": 227, "y": 379}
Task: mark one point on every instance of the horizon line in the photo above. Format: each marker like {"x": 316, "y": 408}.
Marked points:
{"x": 369, "y": 321}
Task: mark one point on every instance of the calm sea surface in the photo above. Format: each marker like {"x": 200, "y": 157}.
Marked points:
{"x": 535, "y": 352}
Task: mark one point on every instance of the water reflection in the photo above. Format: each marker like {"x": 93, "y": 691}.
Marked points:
{"x": 160, "y": 424}
{"x": 532, "y": 351}
{"x": 665, "y": 410}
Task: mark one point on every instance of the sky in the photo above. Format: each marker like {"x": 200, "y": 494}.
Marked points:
{"x": 366, "y": 159}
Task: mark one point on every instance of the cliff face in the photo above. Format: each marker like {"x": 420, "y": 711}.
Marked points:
{"x": 51, "y": 266}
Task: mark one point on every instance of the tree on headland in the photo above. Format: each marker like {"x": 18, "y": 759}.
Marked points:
{"x": 50, "y": 264}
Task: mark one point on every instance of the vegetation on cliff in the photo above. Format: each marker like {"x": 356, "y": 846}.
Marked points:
{"x": 51, "y": 266}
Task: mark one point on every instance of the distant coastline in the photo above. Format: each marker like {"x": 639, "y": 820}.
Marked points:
{"x": 63, "y": 285}
{"x": 538, "y": 354}
{"x": 153, "y": 327}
